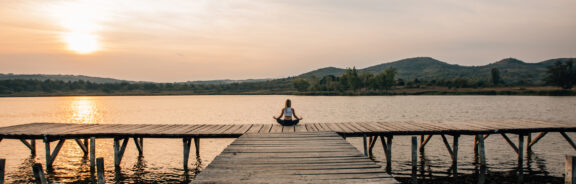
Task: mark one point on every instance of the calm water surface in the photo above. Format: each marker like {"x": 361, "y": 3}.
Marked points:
{"x": 162, "y": 160}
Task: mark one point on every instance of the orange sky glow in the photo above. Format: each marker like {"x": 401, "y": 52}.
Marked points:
{"x": 186, "y": 40}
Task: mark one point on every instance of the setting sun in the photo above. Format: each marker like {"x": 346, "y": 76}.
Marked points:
{"x": 82, "y": 43}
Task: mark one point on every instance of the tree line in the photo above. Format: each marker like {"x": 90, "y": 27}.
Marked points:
{"x": 351, "y": 80}
{"x": 562, "y": 74}
{"x": 13, "y": 86}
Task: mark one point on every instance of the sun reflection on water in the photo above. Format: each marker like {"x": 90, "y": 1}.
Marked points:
{"x": 84, "y": 110}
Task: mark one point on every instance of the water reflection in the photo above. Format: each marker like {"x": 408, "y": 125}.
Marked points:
{"x": 24, "y": 172}
{"x": 84, "y": 110}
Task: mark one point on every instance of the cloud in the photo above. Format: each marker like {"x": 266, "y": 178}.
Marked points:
{"x": 295, "y": 36}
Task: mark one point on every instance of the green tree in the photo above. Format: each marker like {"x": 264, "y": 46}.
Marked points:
{"x": 495, "y": 77}
{"x": 460, "y": 82}
{"x": 355, "y": 81}
{"x": 562, "y": 74}
{"x": 301, "y": 84}
{"x": 390, "y": 79}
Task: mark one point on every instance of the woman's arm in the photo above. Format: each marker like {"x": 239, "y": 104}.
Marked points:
{"x": 294, "y": 113}
{"x": 281, "y": 113}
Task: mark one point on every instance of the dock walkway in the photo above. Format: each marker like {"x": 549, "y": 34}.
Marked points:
{"x": 69, "y": 131}
{"x": 321, "y": 157}
{"x": 267, "y": 144}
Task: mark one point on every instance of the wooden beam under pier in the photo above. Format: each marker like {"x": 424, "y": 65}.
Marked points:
{"x": 424, "y": 141}
{"x": 482, "y": 156}
{"x": 568, "y": 139}
{"x": 39, "y": 174}
{"x": 2, "y": 170}
{"x": 364, "y": 141}
{"x": 453, "y": 151}
{"x": 50, "y": 157}
{"x": 414, "y": 159}
{"x": 387, "y": 146}
{"x": 455, "y": 156}
{"x": 187, "y": 143}
{"x": 373, "y": 140}
{"x": 119, "y": 150}
{"x": 100, "y": 163}
{"x": 535, "y": 140}
{"x": 139, "y": 142}
{"x": 448, "y": 147}
{"x": 520, "y": 158}
{"x": 92, "y": 155}
{"x": 197, "y": 146}
{"x": 514, "y": 147}
{"x": 31, "y": 145}
{"x": 82, "y": 145}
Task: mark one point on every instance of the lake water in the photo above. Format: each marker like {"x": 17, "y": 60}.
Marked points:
{"x": 162, "y": 160}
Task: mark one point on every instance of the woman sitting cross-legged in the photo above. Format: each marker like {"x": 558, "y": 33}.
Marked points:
{"x": 288, "y": 112}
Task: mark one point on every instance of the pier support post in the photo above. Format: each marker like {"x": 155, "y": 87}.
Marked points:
{"x": 187, "y": 143}
{"x": 31, "y": 145}
{"x": 365, "y": 145}
{"x": 92, "y": 155}
{"x": 528, "y": 140}
{"x": 2, "y": 170}
{"x": 453, "y": 151}
{"x": 482, "y": 157}
{"x": 387, "y": 146}
{"x": 100, "y": 163}
{"x": 570, "y": 170}
{"x": 119, "y": 150}
{"x": 197, "y": 145}
{"x": 414, "y": 159}
{"x": 50, "y": 157}
{"x": 520, "y": 158}
{"x": 455, "y": 156}
{"x": 139, "y": 145}
{"x": 83, "y": 146}
{"x": 39, "y": 174}
{"x": 373, "y": 140}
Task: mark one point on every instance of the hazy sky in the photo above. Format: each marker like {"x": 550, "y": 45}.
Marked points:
{"x": 181, "y": 40}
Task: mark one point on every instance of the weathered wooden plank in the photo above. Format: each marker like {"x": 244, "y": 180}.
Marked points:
{"x": 288, "y": 129}
{"x": 255, "y": 129}
{"x": 32, "y": 128}
{"x": 348, "y": 127}
{"x": 233, "y": 129}
{"x": 299, "y": 157}
{"x": 300, "y": 128}
{"x": 189, "y": 129}
{"x": 243, "y": 129}
{"x": 310, "y": 127}
{"x": 276, "y": 128}
{"x": 265, "y": 129}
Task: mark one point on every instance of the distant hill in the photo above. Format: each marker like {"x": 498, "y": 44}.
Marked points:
{"x": 512, "y": 70}
{"x": 226, "y": 81}
{"x": 61, "y": 77}
{"x": 102, "y": 80}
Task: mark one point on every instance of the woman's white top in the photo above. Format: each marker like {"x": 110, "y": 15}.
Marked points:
{"x": 288, "y": 111}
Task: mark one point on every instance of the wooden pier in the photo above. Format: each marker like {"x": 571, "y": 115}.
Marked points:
{"x": 322, "y": 157}
{"x": 371, "y": 132}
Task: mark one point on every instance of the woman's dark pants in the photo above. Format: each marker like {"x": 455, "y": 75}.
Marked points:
{"x": 287, "y": 122}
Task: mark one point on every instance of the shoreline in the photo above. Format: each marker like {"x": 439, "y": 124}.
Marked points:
{"x": 500, "y": 91}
